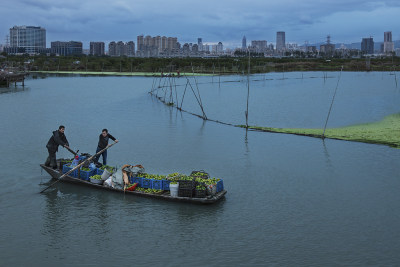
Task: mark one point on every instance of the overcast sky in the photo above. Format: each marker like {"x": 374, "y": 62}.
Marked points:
{"x": 347, "y": 21}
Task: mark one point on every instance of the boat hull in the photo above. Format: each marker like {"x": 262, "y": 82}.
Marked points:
{"x": 56, "y": 174}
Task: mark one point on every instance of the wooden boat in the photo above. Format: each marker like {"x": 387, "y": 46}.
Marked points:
{"x": 56, "y": 173}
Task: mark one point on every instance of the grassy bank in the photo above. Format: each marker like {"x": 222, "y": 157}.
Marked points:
{"x": 222, "y": 65}
{"x": 386, "y": 132}
{"x": 97, "y": 73}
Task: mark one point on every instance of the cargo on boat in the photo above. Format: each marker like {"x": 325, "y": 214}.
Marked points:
{"x": 197, "y": 187}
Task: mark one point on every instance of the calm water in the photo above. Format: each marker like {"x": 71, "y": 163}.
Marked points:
{"x": 292, "y": 201}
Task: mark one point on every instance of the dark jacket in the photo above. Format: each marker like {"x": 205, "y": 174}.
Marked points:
{"x": 103, "y": 141}
{"x": 57, "y": 139}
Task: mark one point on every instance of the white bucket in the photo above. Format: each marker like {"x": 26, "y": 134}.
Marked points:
{"x": 105, "y": 175}
{"x": 174, "y": 189}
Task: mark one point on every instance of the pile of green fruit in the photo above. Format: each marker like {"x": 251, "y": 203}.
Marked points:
{"x": 200, "y": 187}
{"x": 86, "y": 169}
{"x": 96, "y": 177}
{"x": 149, "y": 191}
{"x": 108, "y": 168}
{"x": 152, "y": 176}
{"x": 211, "y": 181}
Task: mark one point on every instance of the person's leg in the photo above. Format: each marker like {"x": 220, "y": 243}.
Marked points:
{"x": 47, "y": 163}
{"x": 96, "y": 159}
{"x": 104, "y": 157}
{"x": 53, "y": 160}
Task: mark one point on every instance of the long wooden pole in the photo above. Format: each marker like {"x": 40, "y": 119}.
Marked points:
{"x": 78, "y": 166}
{"x": 333, "y": 99}
{"x": 248, "y": 94}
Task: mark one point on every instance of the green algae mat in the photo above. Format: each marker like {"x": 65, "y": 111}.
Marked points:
{"x": 386, "y": 132}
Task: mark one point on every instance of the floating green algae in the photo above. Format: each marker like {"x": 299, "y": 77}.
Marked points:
{"x": 386, "y": 131}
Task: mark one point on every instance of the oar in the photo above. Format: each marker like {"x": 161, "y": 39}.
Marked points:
{"x": 70, "y": 150}
{"x": 77, "y": 166}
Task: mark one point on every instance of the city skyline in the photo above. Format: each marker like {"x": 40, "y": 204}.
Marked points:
{"x": 222, "y": 21}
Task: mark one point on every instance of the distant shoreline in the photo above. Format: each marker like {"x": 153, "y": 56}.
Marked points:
{"x": 105, "y": 73}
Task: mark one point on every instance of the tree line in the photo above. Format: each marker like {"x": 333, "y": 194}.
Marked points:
{"x": 220, "y": 65}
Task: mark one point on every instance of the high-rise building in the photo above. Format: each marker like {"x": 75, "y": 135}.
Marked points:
{"x": 244, "y": 45}
{"x": 259, "y": 46}
{"x": 120, "y": 49}
{"x": 220, "y": 48}
{"x": 388, "y": 45}
{"x": 96, "y": 49}
{"x": 280, "y": 41}
{"x": 117, "y": 49}
{"x": 367, "y": 45}
{"x": 164, "y": 41}
{"x": 200, "y": 44}
{"x": 157, "y": 43}
{"x": 387, "y": 36}
{"x": 140, "y": 42}
{"x": 130, "y": 49}
{"x": 30, "y": 38}
{"x": 66, "y": 48}
{"x": 112, "y": 48}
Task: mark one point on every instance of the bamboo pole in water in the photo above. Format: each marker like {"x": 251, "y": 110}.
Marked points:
{"x": 333, "y": 99}
{"x": 248, "y": 94}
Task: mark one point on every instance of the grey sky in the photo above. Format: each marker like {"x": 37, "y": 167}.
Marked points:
{"x": 227, "y": 21}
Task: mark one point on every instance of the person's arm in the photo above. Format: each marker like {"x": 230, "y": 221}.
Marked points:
{"x": 66, "y": 141}
{"x": 58, "y": 139}
{"x": 112, "y": 138}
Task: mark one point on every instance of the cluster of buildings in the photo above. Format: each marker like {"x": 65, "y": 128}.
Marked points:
{"x": 32, "y": 40}
{"x": 368, "y": 47}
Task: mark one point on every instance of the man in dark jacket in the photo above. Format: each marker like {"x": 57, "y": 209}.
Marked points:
{"x": 57, "y": 139}
{"x": 103, "y": 143}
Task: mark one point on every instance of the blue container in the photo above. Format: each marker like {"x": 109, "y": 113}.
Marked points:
{"x": 67, "y": 168}
{"x": 99, "y": 171}
{"x": 138, "y": 180}
{"x": 220, "y": 186}
{"x": 147, "y": 183}
{"x": 86, "y": 174}
{"x": 165, "y": 184}
{"x": 158, "y": 184}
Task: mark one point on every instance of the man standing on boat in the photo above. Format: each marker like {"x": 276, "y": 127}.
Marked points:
{"x": 57, "y": 139}
{"x": 103, "y": 142}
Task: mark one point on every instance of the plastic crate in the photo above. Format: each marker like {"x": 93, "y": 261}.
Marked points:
{"x": 67, "y": 168}
{"x": 138, "y": 180}
{"x": 63, "y": 162}
{"x": 99, "y": 171}
{"x": 147, "y": 183}
{"x": 185, "y": 184}
{"x": 158, "y": 184}
{"x": 84, "y": 175}
{"x": 220, "y": 186}
{"x": 185, "y": 192}
{"x": 200, "y": 193}
{"x": 165, "y": 184}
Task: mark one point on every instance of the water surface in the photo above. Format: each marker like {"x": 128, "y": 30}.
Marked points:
{"x": 291, "y": 200}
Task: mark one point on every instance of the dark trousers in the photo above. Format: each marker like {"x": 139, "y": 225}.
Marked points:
{"x": 51, "y": 159}
{"x": 104, "y": 154}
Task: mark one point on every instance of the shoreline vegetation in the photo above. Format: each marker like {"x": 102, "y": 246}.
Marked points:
{"x": 143, "y": 74}
{"x": 186, "y": 65}
{"x": 384, "y": 132}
